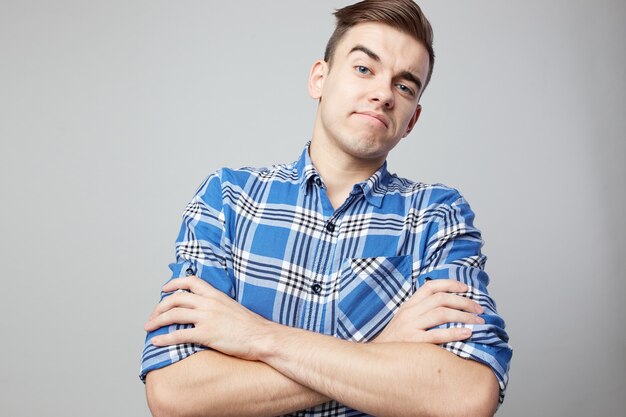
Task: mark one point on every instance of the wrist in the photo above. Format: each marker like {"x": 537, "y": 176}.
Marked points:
{"x": 264, "y": 345}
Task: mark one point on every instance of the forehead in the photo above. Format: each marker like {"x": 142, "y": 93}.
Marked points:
{"x": 395, "y": 48}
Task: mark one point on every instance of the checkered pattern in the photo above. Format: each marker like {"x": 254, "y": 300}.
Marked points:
{"x": 270, "y": 239}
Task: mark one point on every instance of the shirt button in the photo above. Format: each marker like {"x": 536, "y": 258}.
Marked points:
{"x": 316, "y": 288}
{"x": 330, "y": 227}
{"x": 189, "y": 271}
{"x": 318, "y": 181}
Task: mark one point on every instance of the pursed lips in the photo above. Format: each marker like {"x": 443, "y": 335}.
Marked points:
{"x": 378, "y": 116}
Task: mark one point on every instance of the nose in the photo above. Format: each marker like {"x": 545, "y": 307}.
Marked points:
{"x": 382, "y": 94}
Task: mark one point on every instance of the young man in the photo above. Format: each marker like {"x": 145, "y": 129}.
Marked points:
{"x": 330, "y": 285}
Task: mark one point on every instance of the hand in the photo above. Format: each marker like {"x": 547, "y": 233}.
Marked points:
{"x": 221, "y": 323}
{"x": 433, "y": 304}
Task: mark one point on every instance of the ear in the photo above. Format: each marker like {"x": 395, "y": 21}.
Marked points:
{"x": 413, "y": 120}
{"x": 317, "y": 75}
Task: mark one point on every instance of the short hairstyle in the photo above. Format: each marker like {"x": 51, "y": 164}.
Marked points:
{"x": 403, "y": 15}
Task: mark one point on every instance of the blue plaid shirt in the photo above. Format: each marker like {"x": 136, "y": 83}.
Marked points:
{"x": 271, "y": 239}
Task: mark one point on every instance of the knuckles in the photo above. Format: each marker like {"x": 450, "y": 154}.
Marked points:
{"x": 440, "y": 297}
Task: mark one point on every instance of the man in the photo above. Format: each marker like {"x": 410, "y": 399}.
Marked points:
{"x": 330, "y": 285}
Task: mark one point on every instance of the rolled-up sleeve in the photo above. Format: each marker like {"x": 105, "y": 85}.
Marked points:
{"x": 200, "y": 251}
{"x": 453, "y": 251}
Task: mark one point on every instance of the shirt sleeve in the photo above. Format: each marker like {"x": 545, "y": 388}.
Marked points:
{"x": 200, "y": 251}
{"x": 453, "y": 251}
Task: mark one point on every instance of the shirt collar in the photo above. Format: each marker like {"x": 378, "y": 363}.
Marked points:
{"x": 374, "y": 188}
{"x": 305, "y": 170}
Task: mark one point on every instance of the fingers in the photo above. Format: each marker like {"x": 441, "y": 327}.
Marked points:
{"x": 175, "y": 338}
{"x": 434, "y": 336}
{"x": 182, "y": 297}
{"x": 173, "y": 316}
{"x": 434, "y": 286}
{"x": 436, "y": 303}
{"x": 179, "y": 299}
{"x": 437, "y": 285}
{"x": 454, "y": 301}
{"x": 440, "y": 336}
{"x": 191, "y": 299}
{"x": 442, "y": 315}
{"x": 440, "y": 292}
{"x": 192, "y": 283}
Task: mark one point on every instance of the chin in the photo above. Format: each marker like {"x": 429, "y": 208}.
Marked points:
{"x": 364, "y": 151}
{"x": 369, "y": 148}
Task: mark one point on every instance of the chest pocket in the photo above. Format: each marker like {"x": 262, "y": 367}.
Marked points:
{"x": 371, "y": 290}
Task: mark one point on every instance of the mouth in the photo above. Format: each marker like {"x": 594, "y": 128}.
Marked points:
{"x": 380, "y": 118}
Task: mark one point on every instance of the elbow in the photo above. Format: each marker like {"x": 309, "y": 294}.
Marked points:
{"x": 482, "y": 398}
{"x": 154, "y": 396}
{"x": 160, "y": 398}
{"x": 478, "y": 409}
{"x": 167, "y": 397}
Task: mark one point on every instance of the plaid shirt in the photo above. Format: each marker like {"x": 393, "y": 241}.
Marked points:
{"x": 271, "y": 239}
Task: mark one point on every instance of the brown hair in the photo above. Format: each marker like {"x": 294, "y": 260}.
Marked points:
{"x": 403, "y": 15}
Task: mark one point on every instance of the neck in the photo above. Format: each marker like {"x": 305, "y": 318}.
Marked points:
{"x": 340, "y": 171}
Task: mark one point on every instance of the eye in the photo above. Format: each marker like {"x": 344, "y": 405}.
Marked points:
{"x": 362, "y": 70}
{"x": 406, "y": 90}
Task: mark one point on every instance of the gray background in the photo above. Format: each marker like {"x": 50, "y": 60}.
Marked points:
{"x": 112, "y": 113}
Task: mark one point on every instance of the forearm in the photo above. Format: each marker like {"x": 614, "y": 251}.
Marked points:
{"x": 408, "y": 378}
{"x": 211, "y": 383}
{"x": 394, "y": 379}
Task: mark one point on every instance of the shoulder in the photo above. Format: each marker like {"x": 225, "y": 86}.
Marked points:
{"x": 244, "y": 178}
{"x": 423, "y": 194}
{"x": 435, "y": 204}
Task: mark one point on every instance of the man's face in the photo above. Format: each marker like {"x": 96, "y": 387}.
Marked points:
{"x": 369, "y": 97}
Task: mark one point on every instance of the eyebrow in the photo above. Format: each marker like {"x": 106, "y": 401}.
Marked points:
{"x": 405, "y": 75}
{"x": 366, "y": 51}
{"x": 409, "y": 76}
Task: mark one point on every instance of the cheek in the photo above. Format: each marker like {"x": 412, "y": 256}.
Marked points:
{"x": 407, "y": 114}
{"x": 343, "y": 90}
{"x": 336, "y": 105}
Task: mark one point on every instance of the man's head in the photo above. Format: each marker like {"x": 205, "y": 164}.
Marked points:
{"x": 403, "y": 15}
{"x": 369, "y": 101}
